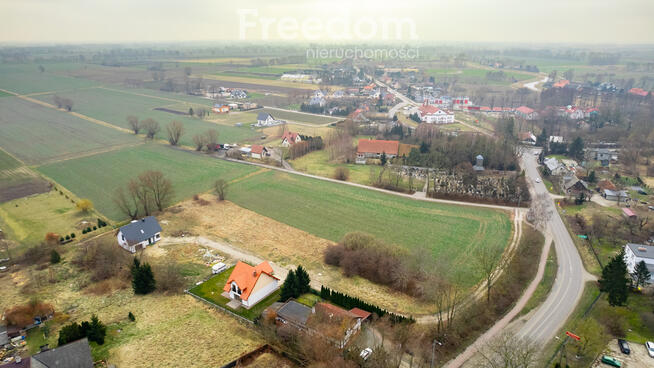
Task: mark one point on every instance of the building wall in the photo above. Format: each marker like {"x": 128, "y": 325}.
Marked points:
{"x": 632, "y": 260}
{"x": 265, "y": 286}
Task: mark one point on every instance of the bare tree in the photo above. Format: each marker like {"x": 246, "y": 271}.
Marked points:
{"x": 128, "y": 203}
{"x": 488, "y": 258}
{"x": 142, "y": 194}
{"x": 507, "y": 351}
{"x": 160, "y": 188}
{"x": 221, "y": 189}
{"x": 212, "y": 139}
{"x": 151, "y": 127}
{"x": 200, "y": 141}
{"x": 540, "y": 211}
{"x": 134, "y": 124}
{"x": 175, "y": 130}
{"x": 447, "y": 299}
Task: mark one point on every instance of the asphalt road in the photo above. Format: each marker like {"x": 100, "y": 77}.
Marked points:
{"x": 550, "y": 316}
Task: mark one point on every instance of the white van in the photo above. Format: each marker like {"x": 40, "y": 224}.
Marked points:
{"x": 218, "y": 268}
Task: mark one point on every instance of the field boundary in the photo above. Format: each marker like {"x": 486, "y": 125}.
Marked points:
{"x": 218, "y": 307}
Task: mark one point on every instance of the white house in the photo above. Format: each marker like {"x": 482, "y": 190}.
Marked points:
{"x": 250, "y": 284}
{"x": 290, "y": 138}
{"x": 526, "y": 113}
{"x": 434, "y": 115}
{"x": 265, "y": 118}
{"x": 635, "y": 253}
{"x": 138, "y": 234}
{"x": 258, "y": 151}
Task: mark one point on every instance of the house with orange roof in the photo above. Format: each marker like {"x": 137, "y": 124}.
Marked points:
{"x": 560, "y": 84}
{"x": 432, "y": 114}
{"x": 290, "y": 138}
{"x": 526, "y": 113}
{"x": 258, "y": 151}
{"x": 247, "y": 285}
{"x": 638, "y": 92}
{"x": 374, "y": 148}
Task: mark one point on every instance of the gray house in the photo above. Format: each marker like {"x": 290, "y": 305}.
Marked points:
{"x": 139, "y": 234}
{"x": 76, "y": 354}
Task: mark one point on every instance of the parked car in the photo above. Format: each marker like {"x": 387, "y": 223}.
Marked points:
{"x": 537, "y": 180}
{"x": 650, "y": 348}
{"x": 366, "y": 353}
{"x": 651, "y": 208}
{"x": 624, "y": 346}
{"x": 611, "y": 361}
{"x": 3, "y": 268}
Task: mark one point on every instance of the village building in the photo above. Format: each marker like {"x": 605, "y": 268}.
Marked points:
{"x": 264, "y": 118}
{"x": 629, "y": 214}
{"x": 636, "y": 253}
{"x": 248, "y": 285}
{"x": 374, "y": 148}
{"x": 76, "y": 354}
{"x": 526, "y": 113}
{"x": 527, "y": 138}
{"x": 138, "y": 234}
{"x": 572, "y": 185}
{"x": 554, "y": 167}
{"x": 290, "y": 138}
{"x": 332, "y": 323}
{"x": 220, "y": 109}
{"x": 258, "y": 151}
{"x": 638, "y": 92}
{"x": 434, "y": 115}
{"x": 618, "y": 195}
{"x": 479, "y": 163}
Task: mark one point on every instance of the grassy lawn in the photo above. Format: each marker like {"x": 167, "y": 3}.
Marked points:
{"x": 546, "y": 283}
{"x": 114, "y": 105}
{"x": 212, "y": 288}
{"x": 445, "y": 232}
{"x": 308, "y": 299}
{"x": 97, "y": 177}
{"x": 34, "y": 133}
{"x": 300, "y": 117}
{"x": 28, "y": 219}
{"x": 477, "y": 75}
{"x": 35, "y": 339}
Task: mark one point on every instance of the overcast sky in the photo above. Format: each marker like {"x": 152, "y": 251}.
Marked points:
{"x": 531, "y": 21}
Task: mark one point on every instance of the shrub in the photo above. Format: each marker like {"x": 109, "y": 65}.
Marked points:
{"x": 341, "y": 173}
{"x": 85, "y": 205}
{"x": 95, "y": 228}
{"x": 103, "y": 259}
{"x": 61, "y": 240}
{"x": 51, "y": 238}
{"x": 143, "y": 281}
{"x": 72, "y": 235}
{"x": 67, "y": 237}
{"x": 84, "y": 231}
{"x": 54, "y": 257}
{"x": 131, "y": 317}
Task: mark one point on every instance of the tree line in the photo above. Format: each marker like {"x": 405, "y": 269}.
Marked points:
{"x": 349, "y": 302}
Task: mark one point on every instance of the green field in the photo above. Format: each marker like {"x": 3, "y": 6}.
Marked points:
{"x": 300, "y": 117}
{"x": 34, "y": 133}
{"x": 113, "y": 106}
{"x": 97, "y": 177}
{"x": 476, "y": 75}
{"x": 7, "y": 162}
{"x": 5, "y": 94}
{"x": 26, "y": 78}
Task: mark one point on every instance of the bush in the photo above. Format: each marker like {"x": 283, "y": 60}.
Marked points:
{"x": 131, "y": 317}
{"x": 103, "y": 259}
{"x": 61, "y": 240}
{"x": 95, "y": 331}
{"x": 85, "y": 205}
{"x": 84, "y": 231}
{"x": 67, "y": 237}
{"x": 143, "y": 281}
{"x": 342, "y": 173}
{"x": 95, "y": 228}
{"x": 54, "y": 257}
{"x": 72, "y": 235}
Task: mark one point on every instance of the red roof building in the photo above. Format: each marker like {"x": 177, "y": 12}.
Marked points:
{"x": 374, "y": 148}
{"x": 560, "y": 84}
{"x": 638, "y": 92}
{"x": 249, "y": 284}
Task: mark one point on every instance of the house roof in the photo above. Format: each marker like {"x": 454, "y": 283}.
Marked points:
{"x": 333, "y": 311}
{"x": 246, "y": 276}
{"x": 76, "y": 354}
{"x": 628, "y": 212}
{"x": 551, "y": 163}
{"x": 638, "y": 92}
{"x": 264, "y": 116}
{"x": 378, "y": 146}
{"x": 525, "y": 110}
{"x": 360, "y": 313}
{"x": 256, "y": 148}
{"x": 140, "y": 230}
{"x": 292, "y": 137}
{"x": 571, "y": 181}
{"x": 293, "y": 311}
{"x": 523, "y": 136}
{"x": 606, "y": 184}
{"x": 621, "y": 193}
{"x": 430, "y": 109}
{"x": 561, "y": 83}
{"x": 641, "y": 250}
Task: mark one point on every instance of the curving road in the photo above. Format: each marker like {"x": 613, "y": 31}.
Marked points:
{"x": 571, "y": 276}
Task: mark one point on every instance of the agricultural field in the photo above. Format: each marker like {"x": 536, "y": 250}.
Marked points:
{"x": 97, "y": 177}
{"x": 20, "y": 182}
{"x": 113, "y": 106}
{"x": 28, "y": 219}
{"x": 7, "y": 162}
{"x": 26, "y": 78}
{"x": 477, "y": 75}
{"x": 34, "y": 133}
{"x": 262, "y": 82}
{"x": 300, "y": 117}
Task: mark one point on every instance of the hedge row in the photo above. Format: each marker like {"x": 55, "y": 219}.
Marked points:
{"x": 101, "y": 223}
{"x": 349, "y": 302}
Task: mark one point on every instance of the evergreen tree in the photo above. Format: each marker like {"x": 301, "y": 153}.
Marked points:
{"x": 55, "y": 257}
{"x": 143, "y": 281}
{"x": 290, "y": 286}
{"x": 96, "y": 330}
{"x": 303, "y": 280}
{"x": 614, "y": 280}
{"x": 641, "y": 273}
{"x": 592, "y": 177}
{"x": 576, "y": 149}
{"x": 70, "y": 333}
{"x": 383, "y": 159}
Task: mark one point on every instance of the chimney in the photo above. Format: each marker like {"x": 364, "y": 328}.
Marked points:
{"x": 254, "y": 273}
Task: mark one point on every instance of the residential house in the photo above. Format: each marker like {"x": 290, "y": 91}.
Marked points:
{"x": 638, "y": 92}
{"x": 603, "y": 155}
{"x": 636, "y": 253}
{"x": 76, "y": 354}
{"x": 561, "y": 84}
{"x": 434, "y": 115}
{"x": 527, "y": 138}
{"x": 238, "y": 94}
{"x": 461, "y": 103}
{"x": 220, "y": 109}
{"x": 573, "y": 185}
{"x": 290, "y": 138}
{"x": 374, "y": 148}
{"x": 526, "y": 113}
{"x": 328, "y": 321}
{"x": 618, "y": 195}
{"x": 555, "y": 139}
{"x": 554, "y": 167}
{"x": 248, "y": 285}
{"x": 358, "y": 116}
{"x": 574, "y": 113}
{"x": 138, "y": 234}
{"x": 258, "y": 151}
{"x": 264, "y": 118}
{"x": 338, "y": 94}
{"x": 317, "y": 101}
{"x": 606, "y": 184}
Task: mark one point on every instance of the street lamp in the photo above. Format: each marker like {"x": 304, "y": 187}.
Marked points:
{"x": 433, "y": 347}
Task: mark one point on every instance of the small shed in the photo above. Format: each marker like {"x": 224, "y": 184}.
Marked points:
{"x": 628, "y": 213}
{"x": 364, "y": 315}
